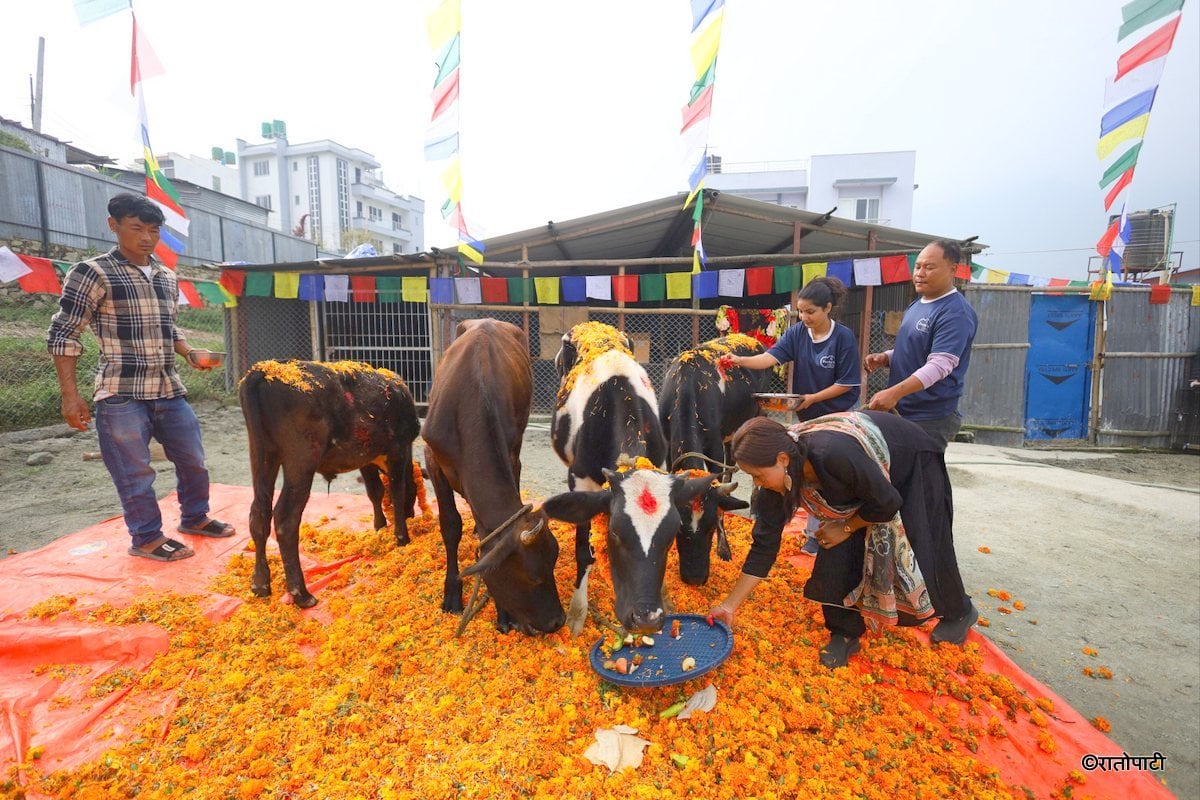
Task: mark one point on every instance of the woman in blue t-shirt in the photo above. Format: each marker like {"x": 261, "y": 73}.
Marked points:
{"x": 824, "y": 355}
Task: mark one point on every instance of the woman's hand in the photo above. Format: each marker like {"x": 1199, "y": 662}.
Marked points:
{"x": 831, "y": 534}
{"x": 723, "y": 613}
{"x": 875, "y": 361}
{"x": 805, "y": 401}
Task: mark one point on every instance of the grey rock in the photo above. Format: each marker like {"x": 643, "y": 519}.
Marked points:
{"x": 39, "y": 459}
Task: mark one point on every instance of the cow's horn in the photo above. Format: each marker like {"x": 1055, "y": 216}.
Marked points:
{"x": 530, "y": 536}
{"x": 726, "y": 488}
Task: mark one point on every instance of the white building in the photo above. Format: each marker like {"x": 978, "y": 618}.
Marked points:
{"x": 869, "y": 187}
{"x": 321, "y": 189}
{"x": 207, "y": 172}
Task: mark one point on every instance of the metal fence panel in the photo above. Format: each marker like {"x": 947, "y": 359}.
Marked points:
{"x": 396, "y": 336}
{"x": 993, "y": 401}
{"x": 267, "y": 328}
{"x": 1147, "y": 357}
{"x": 18, "y": 190}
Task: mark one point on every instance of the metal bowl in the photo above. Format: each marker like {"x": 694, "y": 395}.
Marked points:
{"x": 206, "y": 358}
{"x": 777, "y": 401}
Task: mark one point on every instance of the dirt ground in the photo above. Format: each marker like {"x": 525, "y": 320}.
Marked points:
{"x": 1102, "y": 548}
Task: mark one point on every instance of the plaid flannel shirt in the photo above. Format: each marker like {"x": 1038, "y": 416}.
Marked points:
{"x": 133, "y": 320}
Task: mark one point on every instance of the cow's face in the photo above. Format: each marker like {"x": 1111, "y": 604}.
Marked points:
{"x": 565, "y": 358}
{"x": 519, "y": 573}
{"x": 699, "y": 520}
{"x": 643, "y": 522}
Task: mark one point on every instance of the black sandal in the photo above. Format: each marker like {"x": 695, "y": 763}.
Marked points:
{"x": 837, "y": 653}
{"x": 214, "y": 529}
{"x": 169, "y": 550}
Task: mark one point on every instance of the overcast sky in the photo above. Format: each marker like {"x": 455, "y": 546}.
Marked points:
{"x": 570, "y": 108}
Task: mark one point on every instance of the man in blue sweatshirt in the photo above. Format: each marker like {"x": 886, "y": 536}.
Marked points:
{"x": 929, "y": 362}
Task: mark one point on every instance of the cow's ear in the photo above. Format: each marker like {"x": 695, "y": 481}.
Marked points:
{"x": 577, "y": 507}
{"x": 493, "y": 558}
{"x": 688, "y": 490}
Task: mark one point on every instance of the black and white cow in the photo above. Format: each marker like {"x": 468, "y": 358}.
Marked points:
{"x": 642, "y": 505}
{"x": 605, "y": 414}
{"x": 702, "y": 403}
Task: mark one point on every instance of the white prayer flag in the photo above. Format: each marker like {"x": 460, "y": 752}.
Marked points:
{"x": 337, "y": 288}
{"x": 866, "y": 272}
{"x": 599, "y": 287}
{"x": 730, "y": 282}
{"x": 11, "y": 267}
{"x": 468, "y": 290}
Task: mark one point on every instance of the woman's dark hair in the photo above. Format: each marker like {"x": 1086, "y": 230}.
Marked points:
{"x": 132, "y": 205}
{"x": 952, "y": 251}
{"x": 823, "y": 291}
{"x": 759, "y": 441}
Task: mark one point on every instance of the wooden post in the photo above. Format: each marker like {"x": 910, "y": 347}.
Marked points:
{"x": 1097, "y": 368}
{"x": 797, "y": 231}
{"x": 864, "y": 326}
{"x": 525, "y": 290}
{"x": 621, "y": 303}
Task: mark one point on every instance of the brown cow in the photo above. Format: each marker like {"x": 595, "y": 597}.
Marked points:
{"x": 478, "y": 410}
{"x": 310, "y": 417}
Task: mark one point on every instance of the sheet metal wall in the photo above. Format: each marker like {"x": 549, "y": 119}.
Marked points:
{"x": 1148, "y": 352}
{"x": 77, "y": 216}
{"x": 993, "y": 402}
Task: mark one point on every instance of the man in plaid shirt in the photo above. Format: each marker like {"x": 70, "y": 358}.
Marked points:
{"x": 129, "y": 300}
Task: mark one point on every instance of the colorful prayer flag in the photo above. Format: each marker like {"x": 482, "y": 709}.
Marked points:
{"x": 652, "y": 288}
{"x": 705, "y": 285}
{"x": 547, "y": 290}
{"x": 679, "y": 285}
{"x": 759, "y": 280}
{"x": 41, "y": 278}
{"x": 599, "y": 287}
{"x": 867, "y": 272}
{"x": 287, "y": 285}
{"x": 441, "y": 290}
{"x": 494, "y": 290}
{"x": 337, "y": 288}
{"x": 362, "y": 288}
{"x": 574, "y": 289}
{"x": 730, "y": 282}
{"x": 814, "y": 269}
{"x": 469, "y": 291}
{"x": 312, "y": 288}
{"x": 414, "y": 289}
{"x": 11, "y": 267}
{"x": 1160, "y": 295}
{"x": 894, "y": 269}
{"x": 234, "y": 281}
{"x": 259, "y": 284}
{"x": 625, "y": 288}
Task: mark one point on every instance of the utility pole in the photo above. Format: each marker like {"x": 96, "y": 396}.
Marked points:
{"x": 35, "y": 92}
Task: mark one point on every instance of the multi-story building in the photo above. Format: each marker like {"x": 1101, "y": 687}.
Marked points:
{"x": 869, "y": 187}
{"x": 330, "y": 194}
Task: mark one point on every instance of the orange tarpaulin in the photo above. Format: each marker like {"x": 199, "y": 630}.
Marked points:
{"x": 55, "y": 666}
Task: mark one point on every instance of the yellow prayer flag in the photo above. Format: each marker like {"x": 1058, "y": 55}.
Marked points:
{"x": 287, "y": 285}
{"x": 470, "y": 252}
{"x": 679, "y": 284}
{"x": 547, "y": 290}
{"x": 1102, "y": 290}
{"x": 151, "y": 162}
{"x": 692, "y": 194}
{"x": 695, "y": 262}
{"x": 444, "y": 21}
{"x": 994, "y": 275}
{"x": 230, "y": 299}
{"x": 1196, "y": 295}
{"x": 704, "y": 48}
{"x": 1134, "y": 129}
{"x": 414, "y": 290}
{"x": 815, "y": 269}
{"x": 452, "y": 180}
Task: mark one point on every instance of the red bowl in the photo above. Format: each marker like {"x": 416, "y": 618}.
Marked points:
{"x": 206, "y": 358}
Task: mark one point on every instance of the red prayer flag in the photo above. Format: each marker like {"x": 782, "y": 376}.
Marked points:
{"x": 43, "y": 278}
{"x": 156, "y": 193}
{"x": 894, "y": 269}
{"x": 362, "y": 288}
{"x": 962, "y": 272}
{"x": 1118, "y": 187}
{"x": 1104, "y": 246}
{"x": 188, "y": 290}
{"x": 1154, "y": 46}
{"x": 165, "y": 254}
{"x": 625, "y": 288}
{"x": 697, "y": 110}
{"x": 760, "y": 280}
{"x": 234, "y": 281}
{"x": 1160, "y": 295}
{"x": 494, "y": 290}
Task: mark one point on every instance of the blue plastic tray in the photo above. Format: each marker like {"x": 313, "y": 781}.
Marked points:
{"x": 662, "y": 663}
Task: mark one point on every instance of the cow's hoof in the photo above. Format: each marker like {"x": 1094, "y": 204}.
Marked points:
{"x": 402, "y": 540}
{"x": 261, "y": 591}
{"x": 305, "y": 600}
{"x": 452, "y": 605}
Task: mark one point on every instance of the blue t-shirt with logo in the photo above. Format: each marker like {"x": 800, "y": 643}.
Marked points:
{"x": 946, "y": 325}
{"x": 819, "y": 365}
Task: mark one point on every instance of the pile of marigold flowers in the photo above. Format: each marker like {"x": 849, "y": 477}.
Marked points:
{"x": 371, "y": 695}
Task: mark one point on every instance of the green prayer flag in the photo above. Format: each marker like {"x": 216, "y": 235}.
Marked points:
{"x": 259, "y": 284}
{"x": 518, "y": 291}
{"x": 706, "y": 80}
{"x": 977, "y": 270}
{"x": 1078, "y": 284}
{"x": 210, "y": 292}
{"x": 912, "y": 263}
{"x": 1118, "y": 167}
{"x": 387, "y": 289}
{"x": 652, "y": 288}
{"x": 1140, "y": 13}
{"x": 787, "y": 279}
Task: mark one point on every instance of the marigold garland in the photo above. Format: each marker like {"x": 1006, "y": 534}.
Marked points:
{"x": 371, "y": 695}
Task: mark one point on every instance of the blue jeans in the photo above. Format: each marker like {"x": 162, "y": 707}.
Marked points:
{"x": 124, "y": 426}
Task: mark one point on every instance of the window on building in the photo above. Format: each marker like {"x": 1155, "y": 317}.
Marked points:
{"x": 396, "y": 249}
{"x": 343, "y": 194}
{"x": 357, "y": 175}
{"x": 295, "y": 166}
{"x": 397, "y": 222}
{"x": 314, "y": 196}
{"x": 358, "y": 208}
{"x": 262, "y": 167}
{"x": 216, "y": 183}
{"x": 263, "y": 200}
{"x": 297, "y": 202}
{"x": 866, "y": 209}
{"x": 376, "y": 214}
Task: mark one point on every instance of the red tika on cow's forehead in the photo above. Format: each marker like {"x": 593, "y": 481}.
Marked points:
{"x": 647, "y": 501}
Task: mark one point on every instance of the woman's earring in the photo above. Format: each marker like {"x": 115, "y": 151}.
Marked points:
{"x": 787, "y": 482}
